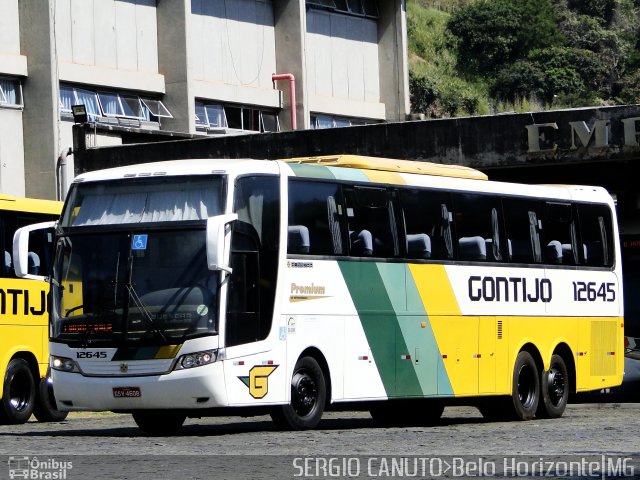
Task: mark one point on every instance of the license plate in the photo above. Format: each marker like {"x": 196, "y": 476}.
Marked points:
{"x": 126, "y": 392}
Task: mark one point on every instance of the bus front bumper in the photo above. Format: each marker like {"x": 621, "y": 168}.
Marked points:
{"x": 195, "y": 388}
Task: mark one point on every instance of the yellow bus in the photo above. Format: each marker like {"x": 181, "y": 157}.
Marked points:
{"x": 219, "y": 287}
{"x": 24, "y": 315}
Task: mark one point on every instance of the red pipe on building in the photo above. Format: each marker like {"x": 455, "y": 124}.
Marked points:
{"x": 292, "y": 94}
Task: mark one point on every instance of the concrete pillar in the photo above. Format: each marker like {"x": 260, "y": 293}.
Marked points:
{"x": 290, "y": 28}
{"x": 392, "y": 56}
{"x": 40, "y": 117}
{"x": 173, "y": 62}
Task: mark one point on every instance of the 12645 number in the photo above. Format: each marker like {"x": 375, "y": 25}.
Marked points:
{"x": 593, "y": 292}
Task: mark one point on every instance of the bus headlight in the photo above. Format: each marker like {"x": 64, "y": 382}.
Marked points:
{"x": 64, "y": 364}
{"x": 196, "y": 359}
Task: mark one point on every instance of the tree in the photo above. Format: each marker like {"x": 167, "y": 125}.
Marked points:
{"x": 522, "y": 79}
{"x": 570, "y": 70}
{"x": 423, "y": 93}
{"x": 494, "y": 33}
{"x": 486, "y": 33}
{"x": 600, "y": 9}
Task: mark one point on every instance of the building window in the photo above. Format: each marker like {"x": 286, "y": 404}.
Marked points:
{"x": 235, "y": 117}
{"x": 10, "y": 92}
{"x": 366, "y": 8}
{"x": 101, "y": 105}
{"x": 331, "y": 121}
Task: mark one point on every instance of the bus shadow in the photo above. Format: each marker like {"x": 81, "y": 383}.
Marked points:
{"x": 234, "y": 428}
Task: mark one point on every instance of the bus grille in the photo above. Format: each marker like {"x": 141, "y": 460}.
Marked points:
{"x": 603, "y": 342}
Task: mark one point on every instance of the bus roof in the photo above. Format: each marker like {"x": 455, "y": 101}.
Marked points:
{"x": 391, "y": 165}
{"x": 32, "y": 205}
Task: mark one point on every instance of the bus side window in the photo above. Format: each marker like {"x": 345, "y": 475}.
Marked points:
{"x": 243, "y": 308}
{"x": 255, "y": 262}
{"x": 596, "y": 235}
{"x": 8, "y": 264}
{"x": 522, "y": 230}
{"x": 559, "y": 233}
{"x": 371, "y": 223}
{"x": 478, "y": 227}
{"x": 40, "y": 243}
{"x": 314, "y": 218}
{"x": 7, "y": 227}
{"x": 427, "y": 224}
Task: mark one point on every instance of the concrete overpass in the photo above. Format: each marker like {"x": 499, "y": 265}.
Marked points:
{"x": 596, "y": 146}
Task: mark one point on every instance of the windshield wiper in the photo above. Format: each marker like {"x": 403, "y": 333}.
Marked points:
{"x": 146, "y": 316}
{"x": 145, "y": 312}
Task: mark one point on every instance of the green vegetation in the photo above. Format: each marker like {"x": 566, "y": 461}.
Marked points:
{"x": 473, "y": 57}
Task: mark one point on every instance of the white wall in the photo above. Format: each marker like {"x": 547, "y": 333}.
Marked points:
{"x": 232, "y": 42}
{"x": 11, "y": 143}
{"x": 11, "y": 152}
{"x": 11, "y": 62}
{"x": 9, "y": 27}
{"x": 108, "y": 42}
{"x": 342, "y": 63}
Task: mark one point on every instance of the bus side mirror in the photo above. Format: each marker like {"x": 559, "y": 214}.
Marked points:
{"x": 219, "y": 241}
{"x": 23, "y": 259}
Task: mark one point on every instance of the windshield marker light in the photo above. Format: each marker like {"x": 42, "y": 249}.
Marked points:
{"x": 196, "y": 359}
{"x": 64, "y": 364}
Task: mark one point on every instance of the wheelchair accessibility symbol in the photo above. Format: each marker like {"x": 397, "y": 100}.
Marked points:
{"x": 139, "y": 242}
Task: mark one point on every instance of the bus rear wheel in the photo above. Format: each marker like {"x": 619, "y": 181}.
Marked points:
{"x": 159, "y": 422}
{"x": 18, "y": 393}
{"x": 308, "y": 398}
{"x": 554, "y": 385}
{"x": 525, "y": 390}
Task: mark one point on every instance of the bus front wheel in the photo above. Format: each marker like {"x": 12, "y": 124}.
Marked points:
{"x": 308, "y": 398}
{"x": 554, "y": 385}
{"x": 159, "y": 422}
{"x": 45, "y": 409}
{"x": 526, "y": 387}
{"x": 18, "y": 393}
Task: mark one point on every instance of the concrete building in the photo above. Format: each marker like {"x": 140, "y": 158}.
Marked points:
{"x": 191, "y": 68}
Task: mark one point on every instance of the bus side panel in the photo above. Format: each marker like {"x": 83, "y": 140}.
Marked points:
{"x": 599, "y": 358}
{"x": 398, "y": 330}
{"x": 592, "y": 299}
{"x": 23, "y": 322}
{"x": 257, "y": 373}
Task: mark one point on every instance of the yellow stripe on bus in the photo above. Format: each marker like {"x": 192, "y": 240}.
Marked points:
{"x": 435, "y": 289}
{"x": 378, "y": 176}
{"x": 168, "y": 351}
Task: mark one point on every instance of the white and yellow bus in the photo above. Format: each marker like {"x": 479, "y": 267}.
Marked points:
{"x": 24, "y": 335}
{"x": 205, "y": 287}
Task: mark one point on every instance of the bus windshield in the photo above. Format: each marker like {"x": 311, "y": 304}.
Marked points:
{"x": 124, "y": 275}
{"x": 144, "y": 200}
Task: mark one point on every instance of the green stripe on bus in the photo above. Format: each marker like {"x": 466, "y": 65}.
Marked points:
{"x": 350, "y": 174}
{"x": 375, "y": 303}
{"x": 430, "y": 368}
{"x": 311, "y": 171}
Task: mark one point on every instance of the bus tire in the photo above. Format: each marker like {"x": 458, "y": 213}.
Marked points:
{"x": 492, "y": 409}
{"x": 554, "y": 388}
{"x": 157, "y": 423}
{"x": 19, "y": 393}
{"x": 45, "y": 409}
{"x": 525, "y": 391}
{"x": 308, "y": 398}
